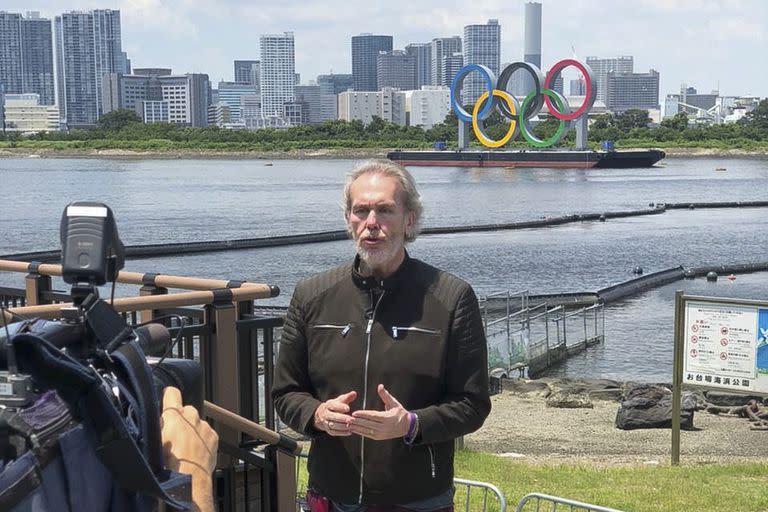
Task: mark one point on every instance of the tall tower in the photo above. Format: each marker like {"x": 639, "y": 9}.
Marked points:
{"x": 482, "y": 45}
{"x": 26, "y": 55}
{"x": 365, "y": 51}
{"x": 277, "y": 73}
{"x": 10, "y": 52}
{"x": 88, "y": 46}
{"x": 532, "y": 49}
{"x": 422, "y": 55}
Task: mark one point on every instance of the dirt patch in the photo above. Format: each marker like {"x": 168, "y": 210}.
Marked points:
{"x": 523, "y": 427}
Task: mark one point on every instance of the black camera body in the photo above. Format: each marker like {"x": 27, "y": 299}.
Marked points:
{"x": 92, "y": 254}
{"x": 95, "y": 364}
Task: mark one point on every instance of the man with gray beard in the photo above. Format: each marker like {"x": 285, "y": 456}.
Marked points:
{"x": 382, "y": 361}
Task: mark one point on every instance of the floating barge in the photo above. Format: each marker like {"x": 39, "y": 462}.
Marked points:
{"x": 559, "y": 159}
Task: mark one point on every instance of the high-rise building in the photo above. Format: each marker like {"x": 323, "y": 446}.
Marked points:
{"x": 310, "y": 96}
{"x": 330, "y": 87}
{"x": 482, "y": 45}
{"x": 165, "y": 98}
{"x": 26, "y": 56}
{"x": 396, "y": 69}
{"x": 88, "y": 47}
{"x": 532, "y": 48}
{"x": 442, "y": 47}
{"x": 626, "y": 91}
{"x": 231, "y": 93}
{"x": 422, "y": 56}
{"x": 244, "y": 71}
{"x": 452, "y": 64}
{"x": 601, "y": 68}
{"x": 10, "y": 52}
{"x": 365, "y": 51}
{"x": 278, "y": 73}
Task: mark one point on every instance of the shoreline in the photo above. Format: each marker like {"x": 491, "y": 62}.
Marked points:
{"x": 315, "y": 154}
{"x": 523, "y": 427}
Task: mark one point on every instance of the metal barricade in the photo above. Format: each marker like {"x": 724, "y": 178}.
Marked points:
{"x": 473, "y": 496}
{"x": 537, "y": 500}
{"x": 489, "y": 497}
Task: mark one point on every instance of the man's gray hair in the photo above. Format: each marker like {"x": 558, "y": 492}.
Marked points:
{"x": 411, "y": 199}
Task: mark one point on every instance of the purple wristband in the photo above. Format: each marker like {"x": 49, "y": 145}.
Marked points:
{"x": 409, "y": 437}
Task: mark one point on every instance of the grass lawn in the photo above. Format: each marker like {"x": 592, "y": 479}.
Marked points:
{"x": 686, "y": 488}
{"x": 726, "y": 487}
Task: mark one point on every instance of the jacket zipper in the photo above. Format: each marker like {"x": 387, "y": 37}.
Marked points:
{"x": 343, "y": 328}
{"x": 396, "y": 329}
{"x": 431, "y": 460}
{"x": 368, "y": 329}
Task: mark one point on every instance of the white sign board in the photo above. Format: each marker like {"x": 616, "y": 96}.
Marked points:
{"x": 726, "y": 346}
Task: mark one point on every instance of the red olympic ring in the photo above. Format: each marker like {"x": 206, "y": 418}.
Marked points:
{"x": 549, "y": 82}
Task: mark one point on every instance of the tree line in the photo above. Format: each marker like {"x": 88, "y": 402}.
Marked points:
{"x": 123, "y": 129}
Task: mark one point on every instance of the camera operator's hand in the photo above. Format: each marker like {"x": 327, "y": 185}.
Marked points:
{"x": 189, "y": 446}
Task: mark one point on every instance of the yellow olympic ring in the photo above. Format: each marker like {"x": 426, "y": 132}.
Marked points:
{"x": 504, "y": 95}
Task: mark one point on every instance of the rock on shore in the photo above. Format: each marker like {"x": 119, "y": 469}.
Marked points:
{"x": 523, "y": 425}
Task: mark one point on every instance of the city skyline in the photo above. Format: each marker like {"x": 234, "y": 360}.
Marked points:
{"x": 706, "y": 44}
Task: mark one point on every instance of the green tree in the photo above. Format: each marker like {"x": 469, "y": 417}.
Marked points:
{"x": 632, "y": 118}
{"x": 758, "y": 118}
{"x": 118, "y": 119}
{"x": 678, "y": 122}
{"x": 602, "y": 122}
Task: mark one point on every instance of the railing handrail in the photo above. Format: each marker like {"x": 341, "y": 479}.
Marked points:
{"x": 148, "y": 302}
{"x": 137, "y": 278}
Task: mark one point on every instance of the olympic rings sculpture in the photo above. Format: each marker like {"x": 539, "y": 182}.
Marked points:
{"x": 496, "y": 97}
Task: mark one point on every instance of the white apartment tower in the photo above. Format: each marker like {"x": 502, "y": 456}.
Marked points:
{"x": 278, "y": 73}
{"x": 482, "y": 45}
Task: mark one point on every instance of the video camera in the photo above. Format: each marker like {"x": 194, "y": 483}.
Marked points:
{"x": 95, "y": 363}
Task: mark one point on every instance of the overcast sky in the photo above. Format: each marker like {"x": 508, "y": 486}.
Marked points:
{"x": 705, "y": 43}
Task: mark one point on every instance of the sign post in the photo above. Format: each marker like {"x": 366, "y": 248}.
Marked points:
{"x": 720, "y": 343}
{"x": 677, "y": 377}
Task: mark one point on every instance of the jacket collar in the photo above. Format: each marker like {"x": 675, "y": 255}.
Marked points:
{"x": 388, "y": 283}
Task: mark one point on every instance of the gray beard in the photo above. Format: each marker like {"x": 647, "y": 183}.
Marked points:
{"x": 377, "y": 258}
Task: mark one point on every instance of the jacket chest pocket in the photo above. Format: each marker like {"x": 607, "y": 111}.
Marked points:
{"x": 333, "y": 349}
{"x": 342, "y": 329}
{"x": 414, "y": 352}
{"x": 400, "y": 333}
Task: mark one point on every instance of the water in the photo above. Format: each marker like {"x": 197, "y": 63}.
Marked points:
{"x": 157, "y": 201}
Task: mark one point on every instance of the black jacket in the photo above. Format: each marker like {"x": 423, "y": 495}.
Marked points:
{"x": 419, "y": 333}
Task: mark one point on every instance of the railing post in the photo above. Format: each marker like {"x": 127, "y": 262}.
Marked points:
{"x": 224, "y": 364}
{"x": 269, "y": 373}
{"x": 507, "y": 317}
{"x": 246, "y": 345}
{"x": 35, "y": 285}
{"x": 149, "y": 288}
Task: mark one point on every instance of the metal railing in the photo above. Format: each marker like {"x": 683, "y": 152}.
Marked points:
{"x": 478, "y": 496}
{"x": 471, "y": 495}
{"x": 235, "y": 348}
{"x": 550, "y": 503}
{"x": 536, "y": 336}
